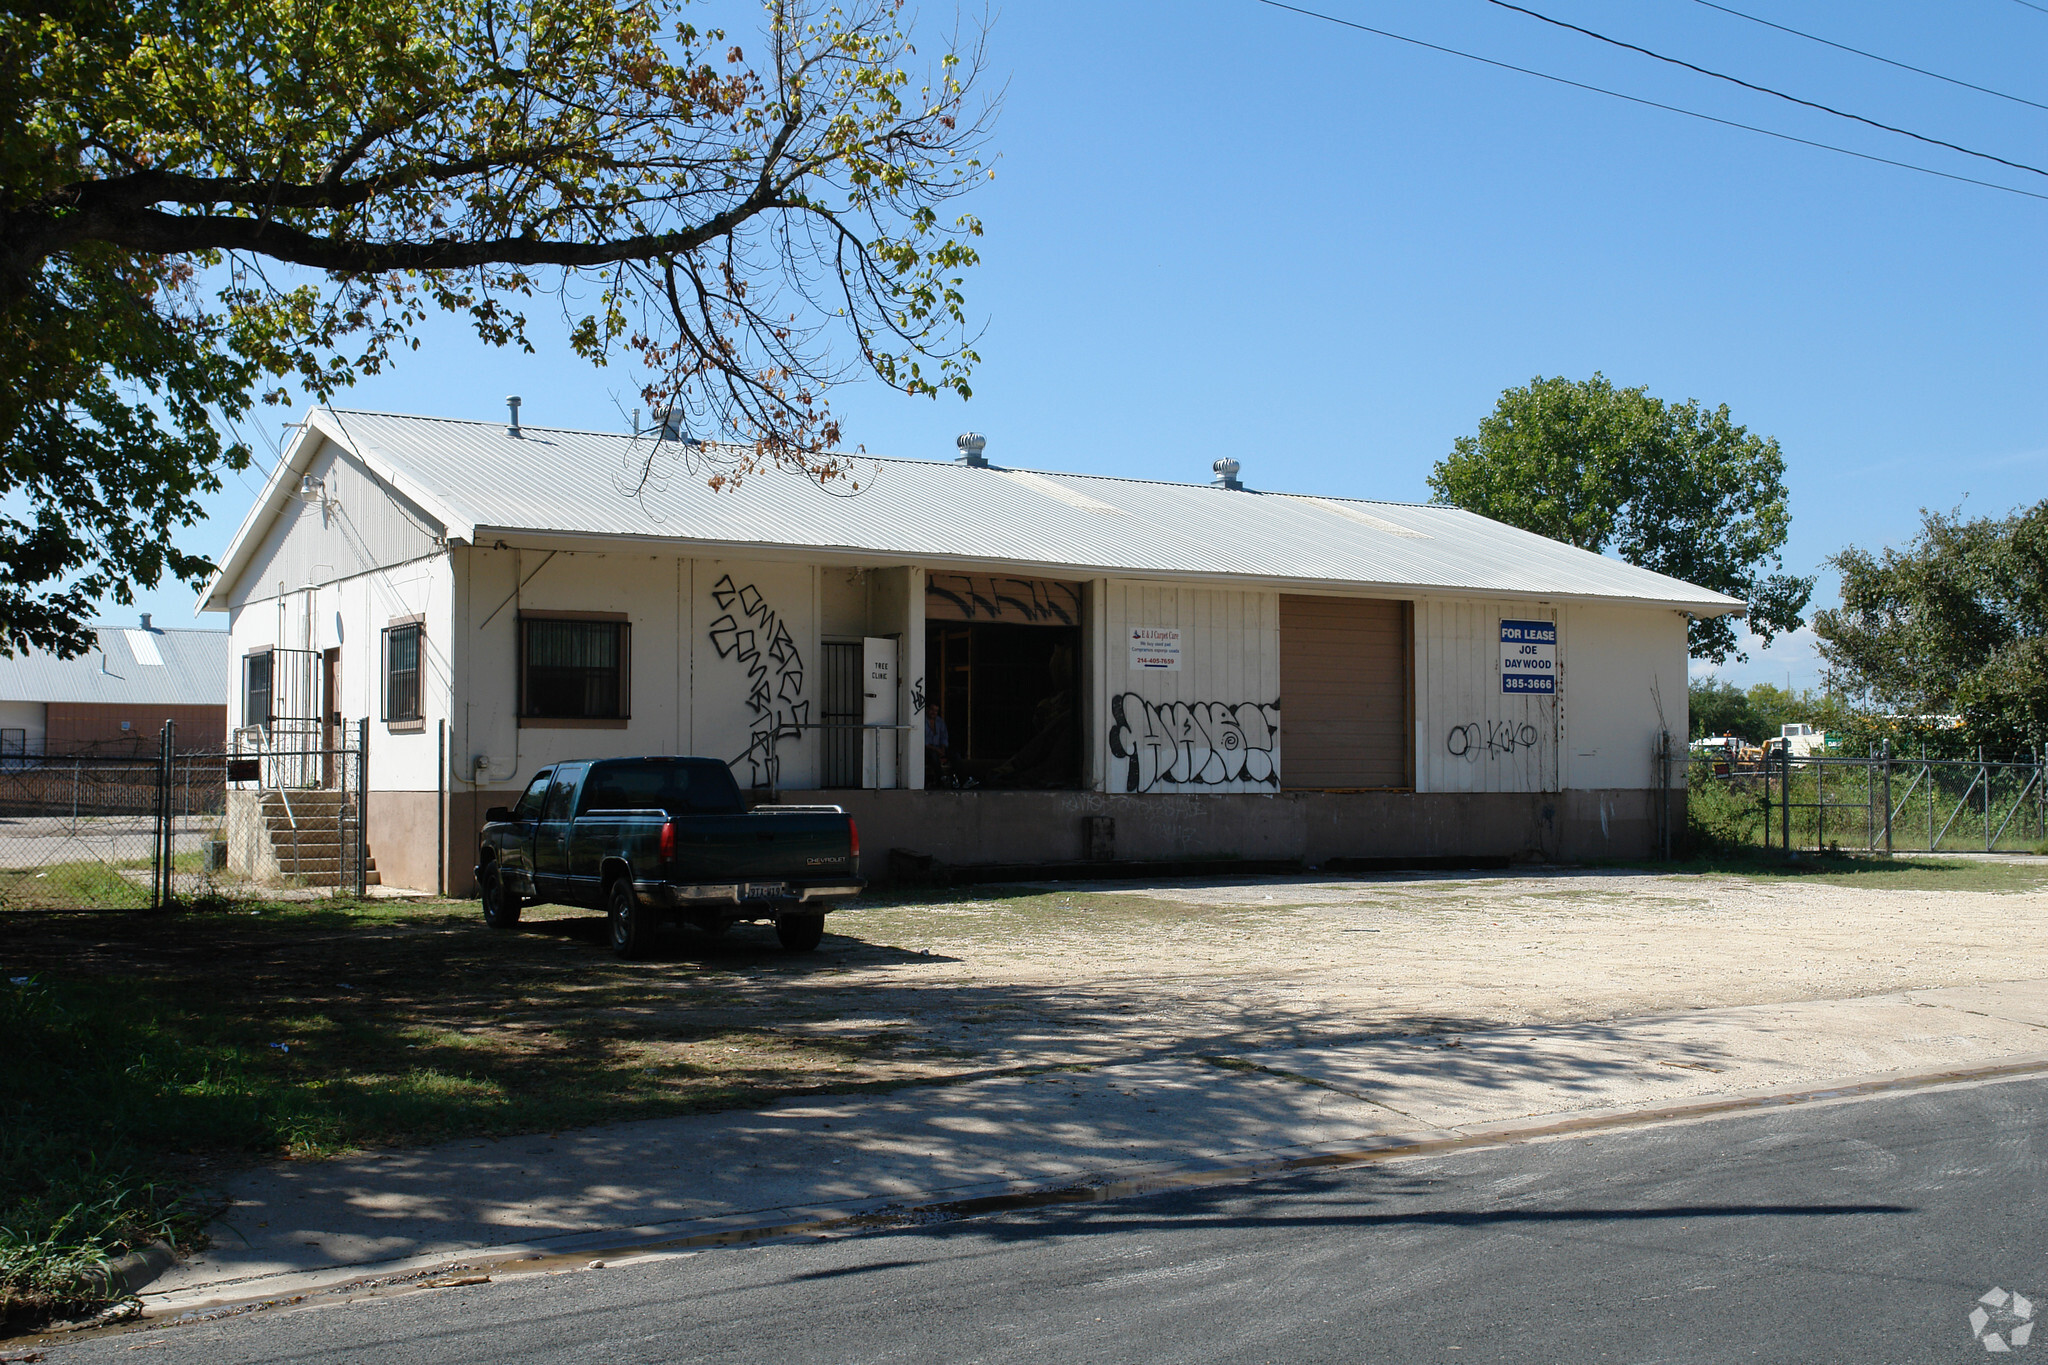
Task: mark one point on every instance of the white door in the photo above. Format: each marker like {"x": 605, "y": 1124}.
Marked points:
{"x": 878, "y": 707}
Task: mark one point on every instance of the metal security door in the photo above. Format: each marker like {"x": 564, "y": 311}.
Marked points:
{"x": 878, "y": 709}
{"x": 840, "y": 715}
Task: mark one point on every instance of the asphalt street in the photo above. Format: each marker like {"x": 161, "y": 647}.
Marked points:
{"x": 1865, "y": 1231}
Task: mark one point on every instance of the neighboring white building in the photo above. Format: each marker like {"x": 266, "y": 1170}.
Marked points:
{"x": 1217, "y": 670}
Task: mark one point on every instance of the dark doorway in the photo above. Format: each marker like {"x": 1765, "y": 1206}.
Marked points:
{"x": 1010, "y": 697}
{"x": 330, "y": 715}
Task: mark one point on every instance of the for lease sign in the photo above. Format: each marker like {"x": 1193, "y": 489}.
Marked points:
{"x": 1528, "y": 656}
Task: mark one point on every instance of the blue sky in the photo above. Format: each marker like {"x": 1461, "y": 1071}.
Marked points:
{"x": 1221, "y": 228}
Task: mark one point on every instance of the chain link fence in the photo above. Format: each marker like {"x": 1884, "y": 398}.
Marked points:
{"x": 253, "y": 822}
{"x": 1877, "y": 804}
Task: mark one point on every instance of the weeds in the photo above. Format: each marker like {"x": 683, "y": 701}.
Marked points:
{"x": 74, "y": 1182}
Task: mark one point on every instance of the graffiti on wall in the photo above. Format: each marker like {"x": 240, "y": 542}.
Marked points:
{"x": 1021, "y": 601}
{"x": 1489, "y": 739}
{"x": 1194, "y": 744}
{"x": 917, "y": 697}
{"x": 754, "y": 635}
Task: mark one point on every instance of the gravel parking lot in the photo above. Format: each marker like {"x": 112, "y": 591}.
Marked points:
{"x": 1073, "y": 971}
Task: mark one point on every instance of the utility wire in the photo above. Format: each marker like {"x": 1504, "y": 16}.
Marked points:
{"x": 1649, "y": 104}
{"x": 1764, "y": 89}
{"x": 2031, "y": 5}
{"x": 1844, "y": 47}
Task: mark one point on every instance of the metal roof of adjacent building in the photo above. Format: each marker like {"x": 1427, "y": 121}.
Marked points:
{"x": 131, "y": 666}
{"x": 550, "y": 485}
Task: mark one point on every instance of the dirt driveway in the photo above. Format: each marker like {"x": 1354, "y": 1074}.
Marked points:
{"x": 315, "y": 1029}
{"x": 1073, "y": 972}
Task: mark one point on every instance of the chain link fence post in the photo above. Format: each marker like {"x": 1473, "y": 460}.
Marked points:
{"x": 363, "y": 808}
{"x": 1887, "y": 798}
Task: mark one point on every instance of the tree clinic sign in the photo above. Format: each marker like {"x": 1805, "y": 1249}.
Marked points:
{"x": 1528, "y": 656}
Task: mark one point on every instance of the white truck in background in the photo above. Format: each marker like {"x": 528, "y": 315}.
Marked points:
{"x": 1800, "y": 739}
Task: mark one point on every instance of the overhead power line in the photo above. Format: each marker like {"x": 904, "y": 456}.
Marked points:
{"x": 2031, "y": 5}
{"x": 1844, "y": 47}
{"x": 1764, "y": 89}
{"x": 1648, "y": 103}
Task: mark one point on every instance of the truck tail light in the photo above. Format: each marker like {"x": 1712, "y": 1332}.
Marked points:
{"x": 668, "y": 841}
{"x": 854, "y": 830}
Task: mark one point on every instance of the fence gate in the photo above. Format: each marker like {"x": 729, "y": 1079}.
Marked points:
{"x": 259, "y": 820}
{"x": 80, "y": 832}
{"x": 1914, "y": 805}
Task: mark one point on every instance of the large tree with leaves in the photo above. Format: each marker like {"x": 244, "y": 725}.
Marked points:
{"x": 202, "y": 200}
{"x": 1674, "y": 487}
{"x": 1955, "y": 623}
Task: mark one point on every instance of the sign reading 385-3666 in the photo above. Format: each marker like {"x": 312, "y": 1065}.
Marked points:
{"x": 1528, "y": 656}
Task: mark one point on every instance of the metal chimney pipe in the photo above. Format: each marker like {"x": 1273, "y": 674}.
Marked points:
{"x": 512, "y": 426}
{"x": 145, "y": 621}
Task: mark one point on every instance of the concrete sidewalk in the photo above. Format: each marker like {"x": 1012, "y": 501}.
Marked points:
{"x": 298, "y": 1227}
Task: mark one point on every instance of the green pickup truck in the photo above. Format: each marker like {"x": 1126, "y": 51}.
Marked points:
{"x": 659, "y": 841}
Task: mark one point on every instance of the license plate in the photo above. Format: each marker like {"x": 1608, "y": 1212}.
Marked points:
{"x": 763, "y": 891}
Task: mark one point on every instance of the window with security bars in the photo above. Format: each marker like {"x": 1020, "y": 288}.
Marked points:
{"x": 256, "y": 669}
{"x": 402, "y": 673}
{"x": 572, "y": 669}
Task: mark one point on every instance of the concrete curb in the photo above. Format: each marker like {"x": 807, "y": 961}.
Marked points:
{"x": 232, "y": 1298}
{"x": 127, "y": 1274}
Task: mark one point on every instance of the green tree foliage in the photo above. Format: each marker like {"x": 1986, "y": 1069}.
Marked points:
{"x": 1673, "y": 487}
{"x": 1760, "y": 712}
{"x": 202, "y": 198}
{"x": 1957, "y": 622}
{"x": 1721, "y": 708}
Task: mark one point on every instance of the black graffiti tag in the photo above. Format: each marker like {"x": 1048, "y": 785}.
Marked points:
{"x": 775, "y": 674}
{"x": 1490, "y": 738}
{"x": 1202, "y": 744}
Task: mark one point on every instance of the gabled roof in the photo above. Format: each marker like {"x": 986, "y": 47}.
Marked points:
{"x": 556, "y": 486}
{"x": 134, "y": 667}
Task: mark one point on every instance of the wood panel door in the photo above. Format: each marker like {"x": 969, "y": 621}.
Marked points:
{"x": 1345, "y": 670}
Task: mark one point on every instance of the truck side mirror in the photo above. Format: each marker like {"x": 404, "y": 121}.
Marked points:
{"x": 497, "y": 815}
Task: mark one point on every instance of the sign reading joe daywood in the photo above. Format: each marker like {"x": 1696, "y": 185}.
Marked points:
{"x": 1528, "y": 656}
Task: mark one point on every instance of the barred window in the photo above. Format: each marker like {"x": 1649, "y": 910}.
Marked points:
{"x": 572, "y": 669}
{"x": 256, "y": 688}
{"x": 402, "y": 673}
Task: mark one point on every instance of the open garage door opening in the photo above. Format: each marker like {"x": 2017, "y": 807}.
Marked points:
{"x": 1004, "y": 701}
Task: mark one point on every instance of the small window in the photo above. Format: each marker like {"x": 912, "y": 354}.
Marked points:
{"x": 256, "y": 689}
{"x": 572, "y": 669}
{"x": 536, "y": 792}
{"x": 402, "y": 673}
{"x": 562, "y": 799}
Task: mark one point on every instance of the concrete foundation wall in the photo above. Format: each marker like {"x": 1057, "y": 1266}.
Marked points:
{"x": 401, "y": 830}
{"x": 1024, "y": 827}
{"x": 1005, "y": 827}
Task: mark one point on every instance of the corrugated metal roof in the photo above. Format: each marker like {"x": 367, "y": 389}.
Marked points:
{"x": 484, "y": 483}
{"x": 190, "y": 668}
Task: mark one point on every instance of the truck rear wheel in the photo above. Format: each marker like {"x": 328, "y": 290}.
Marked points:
{"x": 501, "y": 907}
{"x": 632, "y": 932}
{"x": 800, "y": 933}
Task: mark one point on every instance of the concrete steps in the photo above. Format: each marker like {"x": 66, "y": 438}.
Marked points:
{"x": 305, "y": 833}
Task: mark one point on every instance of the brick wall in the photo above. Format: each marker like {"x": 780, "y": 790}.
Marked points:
{"x": 95, "y": 727}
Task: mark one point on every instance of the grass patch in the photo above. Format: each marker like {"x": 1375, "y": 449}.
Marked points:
{"x": 144, "y": 1051}
{"x": 1919, "y": 872}
{"x": 88, "y": 884}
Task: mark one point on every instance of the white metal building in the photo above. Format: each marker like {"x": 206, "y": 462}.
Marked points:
{"x": 1218, "y": 671}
